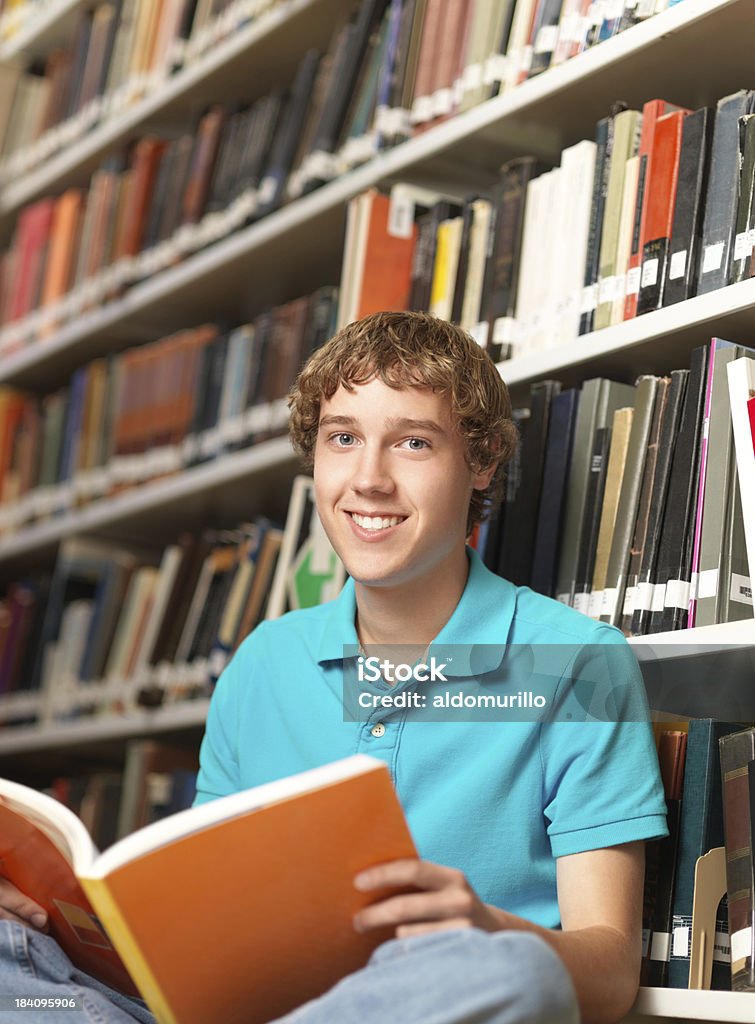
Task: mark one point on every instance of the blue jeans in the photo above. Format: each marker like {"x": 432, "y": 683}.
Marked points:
{"x": 447, "y": 977}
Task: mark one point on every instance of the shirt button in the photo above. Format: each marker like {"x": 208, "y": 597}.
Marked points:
{"x": 378, "y": 730}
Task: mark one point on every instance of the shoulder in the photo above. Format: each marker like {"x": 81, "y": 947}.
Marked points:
{"x": 545, "y": 620}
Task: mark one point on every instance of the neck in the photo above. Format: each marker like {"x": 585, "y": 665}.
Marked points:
{"x": 412, "y": 613}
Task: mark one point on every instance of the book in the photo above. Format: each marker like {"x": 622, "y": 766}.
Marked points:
{"x": 109, "y": 910}
{"x": 723, "y": 191}
{"x": 599, "y": 399}
{"x": 741, "y": 389}
{"x": 741, "y": 252}
{"x": 651, "y": 112}
{"x": 692, "y": 183}
{"x": 701, "y": 828}
{"x": 737, "y": 751}
{"x": 661, "y": 188}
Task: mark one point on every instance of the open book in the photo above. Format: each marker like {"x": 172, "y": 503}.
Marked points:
{"x": 237, "y": 910}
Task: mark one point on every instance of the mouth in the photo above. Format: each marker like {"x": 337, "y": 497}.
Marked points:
{"x": 377, "y": 522}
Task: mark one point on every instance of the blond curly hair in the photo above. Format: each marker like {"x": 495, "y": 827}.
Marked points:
{"x": 414, "y": 350}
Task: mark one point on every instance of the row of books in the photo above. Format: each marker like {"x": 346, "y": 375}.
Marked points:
{"x": 708, "y": 771}
{"x": 119, "y": 54}
{"x": 625, "y": 502}
{"x": 402, "y": 64}
{"x": 658, "y": 209}
{"x": 158, "y": 779}
{"x": 113, "y": 628}
{"x": 154, "y": 410}
{"x": 531, "y": 262}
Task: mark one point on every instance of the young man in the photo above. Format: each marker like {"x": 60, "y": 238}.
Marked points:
{"x": 528, "y": 892}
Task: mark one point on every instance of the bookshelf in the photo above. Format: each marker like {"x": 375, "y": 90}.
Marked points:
{"x": 542, "y": 116}
{"x": 38, "y": 28}
{"x": 655, "y": 1004}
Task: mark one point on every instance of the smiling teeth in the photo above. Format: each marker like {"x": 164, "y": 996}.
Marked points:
{"x": 376, "y": 522}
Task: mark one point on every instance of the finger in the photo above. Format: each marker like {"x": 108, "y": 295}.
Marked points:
{"x": 19, "y": 905}
{"x": 406, "y": 931}
{"x": 398, "y": 873}
{"x": 27, "y": 922}
{"x": 414, "y": 908}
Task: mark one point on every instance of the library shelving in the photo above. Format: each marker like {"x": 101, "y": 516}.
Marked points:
{"x": 694, "y": 52}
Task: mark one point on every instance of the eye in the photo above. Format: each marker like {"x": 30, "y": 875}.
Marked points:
{"x": 343, "y": 440}
{"x": 416, "y": 444}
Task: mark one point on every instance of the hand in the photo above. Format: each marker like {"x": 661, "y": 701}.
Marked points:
{"x": 14, "y": 906}
{"x": 445, "y": 900}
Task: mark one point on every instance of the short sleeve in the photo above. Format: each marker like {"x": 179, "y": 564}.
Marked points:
{"x": 601, "y": 781}
{"x": 218, "y": 760}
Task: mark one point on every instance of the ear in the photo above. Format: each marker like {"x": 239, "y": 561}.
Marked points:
{"x": 482, "y": 479}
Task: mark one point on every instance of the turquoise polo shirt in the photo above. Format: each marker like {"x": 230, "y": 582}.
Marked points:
{"x": 499, "y": 799}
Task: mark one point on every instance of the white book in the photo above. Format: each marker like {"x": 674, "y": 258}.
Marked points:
{"x": 626, "y": 229}
{"x": 741, "y": 390}
{"x": 163, "y": 587}
{"x": 482, "y": 210}
{"x": 578, "y": 172}
{"x": 519, "y": 38}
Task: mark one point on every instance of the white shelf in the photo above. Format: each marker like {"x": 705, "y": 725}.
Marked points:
{"x": 180, "y": 500}
{"x": 46, "y": 26}
{"x": 190, "y": 714}
{"x": 728, "y": 313}
{"x": 686, "y": 1005}
{"x": 686, "y": 641}
{"x": 214, "y": 74}
{"x": 648, "y": 59}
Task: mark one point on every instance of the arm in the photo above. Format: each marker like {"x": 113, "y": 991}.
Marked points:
{"x": 600, "y": 900}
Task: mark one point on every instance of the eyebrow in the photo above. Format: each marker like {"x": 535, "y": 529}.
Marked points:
{"x": 402, "y": 423}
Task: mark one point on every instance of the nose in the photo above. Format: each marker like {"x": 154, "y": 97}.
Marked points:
{"x": 372, "y": 472}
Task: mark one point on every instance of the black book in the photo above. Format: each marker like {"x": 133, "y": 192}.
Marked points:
{"x": 520, "y": 523}
{"x": 604, "y": 144}
{"x": 263, "y": 331}
{"x": 423, "y": 261}
{"x": 701, "y": 829}
{"x": 349, "y": 60}
{"x": 321, "y": 321}
{"x": 723, "y": 192}
{"x": 675, "y": 549}
{"x": 555, "y": 475}
{"x": 547, "y": 17}
{"x": 508, "y": 196}
{"x": 78, "y": 64}
{"x": 411, "y": 17}
{"x": 741, "y": 252}
{"x": 691, "y": 189}
{"x": 588, "y": 539}
{"x": 226, "y": 169}
{"x": 462, "y": 267}
{"x": 669, "y": 433}
{"x": 172, "y": 209}
{"x": 287, "y": 134}
{"x": 662, "y": 859}
{"x": 163, "y": 187}
{"x": 257, "y": 144}
{"x": 206, "y": 357}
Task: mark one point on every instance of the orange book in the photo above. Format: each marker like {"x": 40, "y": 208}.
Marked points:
{"x": 659, "y": 217}
{"x": 387, "y": 262}
{"x": 281, "y": 858}
{"x": 64, "y": 238}
{"x": 651, "y": 112}
{"x": 146, "y": 160}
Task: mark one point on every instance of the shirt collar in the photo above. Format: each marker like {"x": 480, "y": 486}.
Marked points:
{"x": 477, "y": 630}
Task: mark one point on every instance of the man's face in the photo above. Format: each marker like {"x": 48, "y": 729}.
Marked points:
{"x": 391, "y": 483}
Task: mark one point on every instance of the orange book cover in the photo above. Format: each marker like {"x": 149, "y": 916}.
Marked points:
{"x": 287, "y": 851}
{"x": 146, "y": 160}
{"x": 651, "y": 112}
{"x": 387, "y": 271}
{"x": 661, "y": 186}
{"x": 64, "y": 239}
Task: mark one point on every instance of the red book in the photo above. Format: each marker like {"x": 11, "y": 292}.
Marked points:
{"x": 651, "y": 112}
{"x": 32, "y": 237}
{"x": 660, "y": 188}
{"x": 386, "y": 271}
